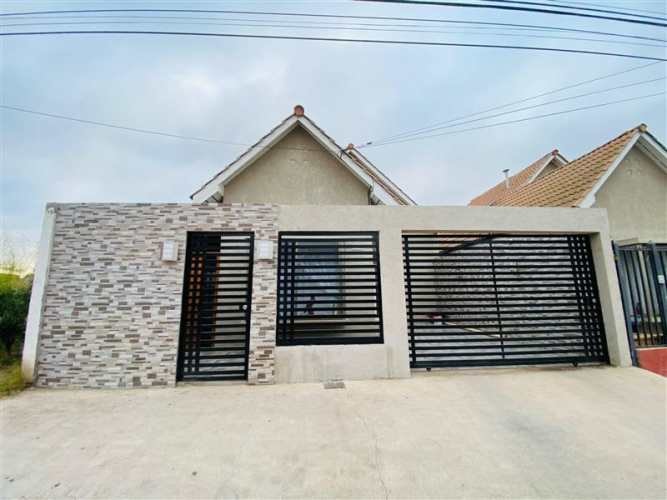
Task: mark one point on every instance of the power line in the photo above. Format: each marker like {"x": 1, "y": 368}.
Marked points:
{"x": 526, "y": 108}
{"x": 512, "y": 103}
{"x": 466, "y": 24}
{"x": 519, "y": 9}
{"x": 331, "y": 16}
{"x": 340, "y": 27}
{"x": 570, "y": 2}
{"x": 120, "y": 127}
{"x": 332, "y": 39}
{"x": 144, "y": 130}
{"x": 588, "y": 9}
{"x": 201, "y": 139}
{"x": 556, "y": 113}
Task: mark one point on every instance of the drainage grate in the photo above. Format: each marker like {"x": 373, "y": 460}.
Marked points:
{"x": 334, "y": 384}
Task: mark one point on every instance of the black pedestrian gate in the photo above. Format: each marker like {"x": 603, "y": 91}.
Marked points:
{"x": 215, "y": 317}
{"x": 500, "y": 299}
{"x": 642, "y": 271}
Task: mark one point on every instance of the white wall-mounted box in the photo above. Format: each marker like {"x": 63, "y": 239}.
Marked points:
{"x": 264, "y": 249}
{"x": 169, "y": 251}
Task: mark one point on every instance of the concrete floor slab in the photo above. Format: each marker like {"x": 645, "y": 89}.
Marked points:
{"x": 506, "y": 433}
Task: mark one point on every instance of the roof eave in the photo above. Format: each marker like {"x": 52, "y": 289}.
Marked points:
{"x": 589, "y": 199}
{"x": 396, "y": 191}
{"x": 252, "y": 154}
{"x": 215, "y": 186}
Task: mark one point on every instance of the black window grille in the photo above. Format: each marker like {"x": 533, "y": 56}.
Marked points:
{"x": 329, "y": 288}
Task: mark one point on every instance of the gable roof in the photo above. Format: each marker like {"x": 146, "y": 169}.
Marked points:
{"x": 513, "y": 183}
{"x": 382, "y": 190}
{"x": 576, "y": 183}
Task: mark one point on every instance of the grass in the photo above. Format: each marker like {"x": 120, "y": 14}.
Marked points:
{"x": 11, "y": 379}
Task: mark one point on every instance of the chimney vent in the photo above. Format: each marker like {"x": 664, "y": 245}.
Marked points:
{"x": 298, "y": 110}
{"x": 507, "y": 177}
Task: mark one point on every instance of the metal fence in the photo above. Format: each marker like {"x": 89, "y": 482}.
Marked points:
{"x": 499, "y": 299}
{"x": 641, "y": 272}
{"x": 329, "y": 288}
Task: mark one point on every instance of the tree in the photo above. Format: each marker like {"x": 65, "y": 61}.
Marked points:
{"x": 14, "y": 296}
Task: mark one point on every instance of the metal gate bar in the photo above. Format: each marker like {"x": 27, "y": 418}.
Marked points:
{"x": 642, "y": 270}
{"x": 329, "y": 288}
{"x": 215, "y": 317}
{"x": 481, "y": 300}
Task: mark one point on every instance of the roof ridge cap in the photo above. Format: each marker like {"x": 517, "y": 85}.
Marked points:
{"x": 619, "y": 136}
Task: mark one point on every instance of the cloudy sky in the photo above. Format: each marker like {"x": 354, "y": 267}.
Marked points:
{"x": 237, "y": 89}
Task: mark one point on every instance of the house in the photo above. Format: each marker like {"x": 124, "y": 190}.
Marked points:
{"x": 297, "y": 163}
{"x": 528, "y": 175}
{"x": 301, "y": 261}
{"x": 626, "y": 176}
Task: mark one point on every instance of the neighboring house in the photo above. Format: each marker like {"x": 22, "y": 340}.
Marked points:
{"x": 301, "y": 261}
{"x": 546, "y": 164}
{"x": 627, "y": 176}
{"x": 297, "y": 163}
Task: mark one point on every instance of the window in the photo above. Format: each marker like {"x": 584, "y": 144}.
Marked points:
{"x": 329, "y": 288}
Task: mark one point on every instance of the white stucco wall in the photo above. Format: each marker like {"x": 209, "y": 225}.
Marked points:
{"x": 316, "y": 363}
{"x": 635, "y": 196}
{"x": 297, "y": 171}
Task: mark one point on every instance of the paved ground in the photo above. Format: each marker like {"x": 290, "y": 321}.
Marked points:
{"x": 568, "y": 433}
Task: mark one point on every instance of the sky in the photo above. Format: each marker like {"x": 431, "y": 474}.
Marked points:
{"x": 237, "y": 89}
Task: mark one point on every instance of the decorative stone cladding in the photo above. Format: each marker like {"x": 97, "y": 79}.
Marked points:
{"x": 112, "y": 308}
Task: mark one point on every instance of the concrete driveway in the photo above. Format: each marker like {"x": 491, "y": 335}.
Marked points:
{"x": 530, "y": 433}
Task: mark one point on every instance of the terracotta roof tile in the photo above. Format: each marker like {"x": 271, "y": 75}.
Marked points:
{"x": 569, "y": 185}
{"x": 516, "y": 181}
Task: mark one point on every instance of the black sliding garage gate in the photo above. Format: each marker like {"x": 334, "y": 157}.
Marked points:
{"x": 215, "y": 317}
{"x": 482, "y": 300}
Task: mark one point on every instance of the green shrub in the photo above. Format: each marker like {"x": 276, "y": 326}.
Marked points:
{"x": 14, "y": 301}
{"x": 11, "y": 379}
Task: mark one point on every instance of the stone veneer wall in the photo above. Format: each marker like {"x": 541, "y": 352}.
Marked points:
{"x": 112, "y": 308}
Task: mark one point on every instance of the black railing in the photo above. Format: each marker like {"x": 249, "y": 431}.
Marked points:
{"x": 642, "y": 269}
{"x": 215, "y": 317}
{"x": 482, "y": 300}
{"x": 329, "y": 288}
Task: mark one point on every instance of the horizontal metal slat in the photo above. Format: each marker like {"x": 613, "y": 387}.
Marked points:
{"x": 470, "y": 339}
{"x": 475, "y": 293}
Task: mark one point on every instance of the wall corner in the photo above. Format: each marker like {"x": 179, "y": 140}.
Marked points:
{"x": 610, "y": 300}
{"x": 36, "y": 307}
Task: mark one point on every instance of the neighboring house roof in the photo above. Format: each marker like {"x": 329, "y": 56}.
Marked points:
{"x": 518, "y": 180}
{"x": 576, "y": 183}
{"x": 382, "y": 190}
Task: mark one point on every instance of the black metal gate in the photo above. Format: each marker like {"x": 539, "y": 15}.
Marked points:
{"x": 483, "y": 300}
{"x": 215, "y": 318}
{"x": 642, "y": 270}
